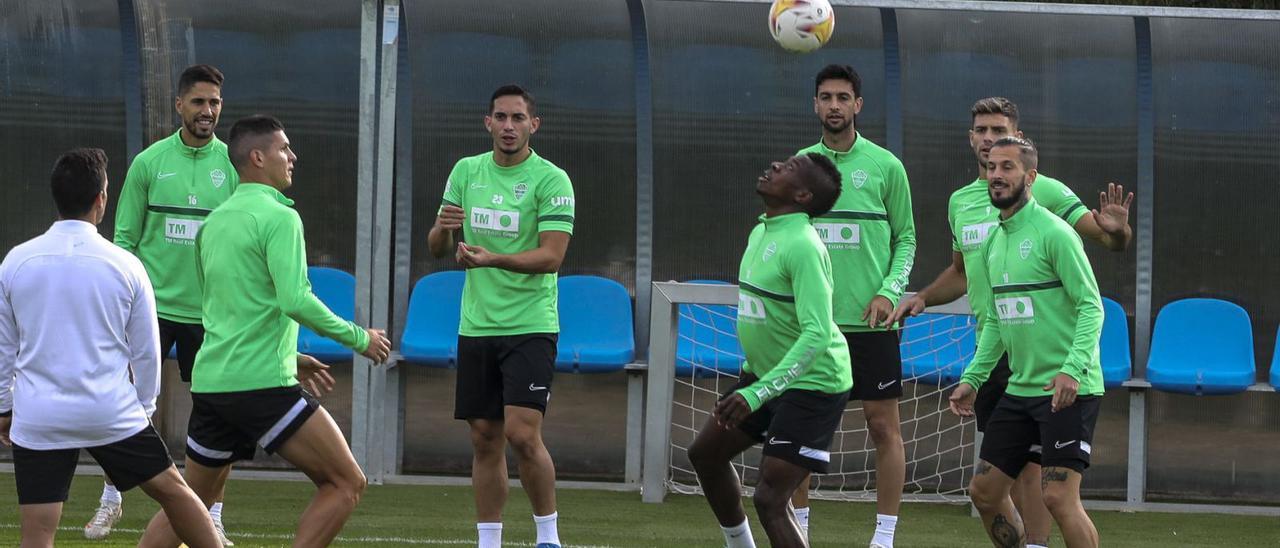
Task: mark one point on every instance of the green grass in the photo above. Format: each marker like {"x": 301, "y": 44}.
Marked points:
{"x": 264, "y": 513}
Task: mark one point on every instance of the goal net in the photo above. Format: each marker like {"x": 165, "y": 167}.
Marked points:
{"x": 704, "y": 360}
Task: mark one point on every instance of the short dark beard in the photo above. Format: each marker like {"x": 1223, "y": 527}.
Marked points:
{"x": 1016, "y": 197}
{"x": 192, "y": 128}
{"x": 836, "y": 129}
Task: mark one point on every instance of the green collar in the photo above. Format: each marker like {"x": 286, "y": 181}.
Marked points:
{"x": 782, "y": 221}
{"x": 190, "y": 151}
{"x": 260, "y": 188}
{"x": 1022, "y": 217}
{"x": 828, "y": 151}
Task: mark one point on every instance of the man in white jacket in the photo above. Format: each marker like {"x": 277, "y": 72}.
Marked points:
{"x": 79, "y": 363}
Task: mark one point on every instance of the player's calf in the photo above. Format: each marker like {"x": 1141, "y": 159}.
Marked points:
{"x": 186, "y": 512}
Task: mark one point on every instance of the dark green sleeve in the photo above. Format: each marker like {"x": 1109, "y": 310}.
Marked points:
{"x": 902, "y": 233}
{"x": 287, "y": 263}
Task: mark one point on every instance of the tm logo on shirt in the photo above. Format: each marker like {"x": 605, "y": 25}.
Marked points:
{"x": 839, "y": 235}
{"x": 181, "y": 231}
{"x": 503, "y": 223}
{"x": 976, "y": 234}
{"x": 1015, "y": 310}
{"x": 750, "y": 308}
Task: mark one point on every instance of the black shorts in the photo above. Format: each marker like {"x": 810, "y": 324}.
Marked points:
{"x": 227, "y": 426}
{"x": 44, "y": 477}
{"x": 991, "y": 391}
{"x": 497, "y": 371}
{"x": 188, "y": 337}
{"x": 877, "y": 365}
{"x": 797, "y": 426}
{"x": 1021, "y": 427}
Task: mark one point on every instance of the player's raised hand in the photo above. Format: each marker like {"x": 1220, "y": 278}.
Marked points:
{"x": 450, "y": 218}
{"x": 314, "y": 376}
{"x": 1064, "y": 391}
{"x": 909, "y": 307}
{"x": 1112, "y": 214}
{"x": 962, "y": 399}
{"x": 878, "y": 312}
{"x": 731, "y": 411}
{"x": 379, "y": 347}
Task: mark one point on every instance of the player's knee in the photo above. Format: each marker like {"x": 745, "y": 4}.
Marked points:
{"x": 769, "y": 501}
{"x": 1059, "y": 497}
{"x": 524, "y": 441}
{"x": 985, "y": 493}
{"x": 884, "y": 429}
{"x": 351, "y": 484}
{"x": 487, "y": 440}
{"x": 700, "y": 456}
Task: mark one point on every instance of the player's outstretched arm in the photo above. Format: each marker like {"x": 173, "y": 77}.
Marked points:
{"x": 1109, "y": 224}
{"x": 951, "y": 284}
{"x": 544, "y": 259}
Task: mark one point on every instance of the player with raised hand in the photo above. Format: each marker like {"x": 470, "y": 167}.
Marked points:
{"x": 972, "y": 217}
{"x": 796, "y": 377}
{"x": 1044, "y": 309}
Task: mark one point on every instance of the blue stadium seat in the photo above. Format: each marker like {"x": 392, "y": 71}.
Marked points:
{"x": 1202, "y": 346}
{"x": 708, "y": 337}
{"x": 1117, "y": 367}
{"x": 1275, "y": 363}
{"x": 596, "y": 333}
{"x": 937, "y": 347}
{"x": 431, "y": 328}
{"x": 337, "y": 290}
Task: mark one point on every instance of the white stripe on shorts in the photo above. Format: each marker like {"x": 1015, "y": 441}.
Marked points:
{"x": 1037, "y": 449}
{"x": 815, "y": 454}
{"x": 205, "y": 451}
{"x": 281, "y": 424}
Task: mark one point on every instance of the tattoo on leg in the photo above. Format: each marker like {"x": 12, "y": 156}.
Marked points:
{"x": 1004, "y": 534}
{"x": 1052, "y": 473}
{"x": 984, "y": 467}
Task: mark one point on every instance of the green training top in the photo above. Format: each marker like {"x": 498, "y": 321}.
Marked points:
{"x": 784, "y": 313}
{"x": 252, "y": 262}
{"x": 1044, "y": 306}
{"x": 971, "y": 218}
{"x": 870, "y": 232}
{"x": 168, "y": 192}
{"x": 506, "y": 208}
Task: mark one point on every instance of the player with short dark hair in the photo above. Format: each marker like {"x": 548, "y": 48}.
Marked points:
{"x": 80, "y": 361}
{"x": 515, "y": 212}
{"x": 169, "y": 190}
{"x": 870, "y": 234}
{"x": 245, "y": 390}
{"x": 796, "y": 378}
{"x": 971, "y": 218}
{"x": 1044, "y": 309}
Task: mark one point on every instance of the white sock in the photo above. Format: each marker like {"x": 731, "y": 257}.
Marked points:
{"x": 490, "y": 535}
{"x": 215, "y": 512}
{"x": 802, "y": 516}
{"x": 110, "y": 495}
{"x": 738, "y": 536}
{"x": 884, "y": 530}
{"x": 1036, "y": 546}
{"x": 547, "y": 528}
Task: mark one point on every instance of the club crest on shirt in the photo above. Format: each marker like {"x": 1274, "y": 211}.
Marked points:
{"x": 520, "y": 190}
{"x": 217, "y": 177}
{"x": 859, "y": 178}
{"x": 1024, "y": 248}
{"x": 769, "y": 251}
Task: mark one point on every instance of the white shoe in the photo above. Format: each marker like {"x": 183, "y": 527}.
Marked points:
{"x": 103, "y": 520}
{"x": 222, "y": 534}
{"x": 878, "y": 545}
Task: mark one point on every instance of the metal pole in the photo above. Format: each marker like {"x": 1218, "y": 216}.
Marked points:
{"x": 384, "y": 401}
{"x": 662, "y": 373}
{"x": 1136, "y": 484}
{"x": 644, "y": 173}
{"x": 365, "y": 186}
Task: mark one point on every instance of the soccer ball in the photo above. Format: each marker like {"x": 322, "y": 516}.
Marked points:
{"x": 801, "y": 26}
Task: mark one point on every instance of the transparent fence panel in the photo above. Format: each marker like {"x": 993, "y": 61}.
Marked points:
{"x": 576, "y": 59}
{"x": 1217, "y": 108}
{"x": 727, "y": 101}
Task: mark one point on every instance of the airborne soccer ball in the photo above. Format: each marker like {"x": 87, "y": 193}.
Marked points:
{"x": 801, "y": 26}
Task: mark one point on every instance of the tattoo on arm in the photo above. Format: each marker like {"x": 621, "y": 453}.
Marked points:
{"x": 1052, "y": 473}
{"x": 1005, "y": 534}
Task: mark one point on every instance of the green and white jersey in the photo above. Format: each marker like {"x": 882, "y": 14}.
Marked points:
{"x": 972, "y": 218}
{"x": 1043, "y": 306}
{"x": 870, "y": 232}
{"x": 506, "y": 208}
{"x": 785, "y": 322}
{"x": 169, "y": 190}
